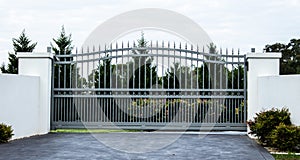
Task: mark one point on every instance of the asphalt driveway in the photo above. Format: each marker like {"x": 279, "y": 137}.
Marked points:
{"x": 139, "y": 145}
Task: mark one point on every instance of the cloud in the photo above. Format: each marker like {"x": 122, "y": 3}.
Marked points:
{"x": 230, "y": 23}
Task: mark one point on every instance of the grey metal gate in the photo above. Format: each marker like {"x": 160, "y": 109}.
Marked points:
{"x": 150, "y": 86}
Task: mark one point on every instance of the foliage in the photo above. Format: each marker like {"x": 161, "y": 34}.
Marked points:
{"x": 286, "y": 156}
{"x": 236, "y": 78}
{"x": 136, "y": 68}
{"x": 140, "y": 66}
{"x": 6, "y": 133}
{"x": 182, "y": 110}
{"x": 210, "y": 75}
{"x": 101, "y": 76}
{"x": 147, "y": 110}
{"x": 65, "y": 74}
{"x": 203, "y": 76}
{"x": 63, "y": 46}
{"x": 290, "y": 61}
{"x": 266, "y": 121}
{"x": 63, "y": 43}
{"x": 175, "y": 78}
{"x": 286, "y": 138}
{"x": 22, "y": 44}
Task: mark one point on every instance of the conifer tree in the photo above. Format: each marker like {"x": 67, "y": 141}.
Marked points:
{"x": 62, "y": 46}
{"x": 22, "y": 44}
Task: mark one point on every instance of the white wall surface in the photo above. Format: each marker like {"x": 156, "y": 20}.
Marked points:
{"x": 39, "y": 64}
{"x": 259, "y": 64}
{"x": 278, "y": 92}
{"x": 19, "y": 104}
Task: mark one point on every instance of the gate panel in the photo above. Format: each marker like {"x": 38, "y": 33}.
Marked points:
{"x": 150, "y": 86}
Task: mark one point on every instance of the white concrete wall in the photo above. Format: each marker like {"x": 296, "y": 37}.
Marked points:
{"x": 25, "y": 99}
{"x": 278, "y": 92}
{"x": 19, "y": 104}
{"x": 267, "y": 89}
{"x": 259, "y": 64}
{"x": 39, "y": 64}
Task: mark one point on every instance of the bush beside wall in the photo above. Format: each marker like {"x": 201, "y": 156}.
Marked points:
{"x": 286, "y": 138}
{"x": 273, "y": 128}
{"x": 266, "y": 121}
{"x": 6, "y": 133}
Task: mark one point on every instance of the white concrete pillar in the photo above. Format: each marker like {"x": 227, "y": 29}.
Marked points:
{"x": 39, "y": 64}
{"x": 259, "y": 64}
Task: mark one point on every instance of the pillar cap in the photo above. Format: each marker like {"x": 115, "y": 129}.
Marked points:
{"x": 268, "y": 55}
{"x": 35, "y": 55}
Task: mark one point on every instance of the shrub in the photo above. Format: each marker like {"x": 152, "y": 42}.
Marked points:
{"x": 5, "y": 133}
{"x": 266, "y": 121}
{"x": 286, "y": 138}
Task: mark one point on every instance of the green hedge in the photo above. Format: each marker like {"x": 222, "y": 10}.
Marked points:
{"x": 286, "y": 138}
{"x": 6, "y": 133}
{"x": 273, "y": 128}
{"x": 266, "y": 121}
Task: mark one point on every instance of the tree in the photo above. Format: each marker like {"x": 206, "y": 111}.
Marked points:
{"x": 290, "y": 61}
{"x": 63, "y": 43}
{"x": 140, "y": 70}
{"x": 172, "y": 78}
{"x": 63, "y": 46}
{"x": 22, "y": 44}
{"x": 203, "y": 76}
{"x": 101, "y": 76}
{"x": 236, "y": 78}
{"x": 65, "y": 75}
{"x": 143, "y": 73}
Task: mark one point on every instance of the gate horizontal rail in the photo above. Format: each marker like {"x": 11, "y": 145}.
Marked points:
{"x": 136, "y": 89}
{"x": 153, "y": 126}
{"x": 149, "y": 96}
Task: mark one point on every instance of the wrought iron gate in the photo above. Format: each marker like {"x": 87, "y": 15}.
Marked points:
{"x": 150, "y": 86}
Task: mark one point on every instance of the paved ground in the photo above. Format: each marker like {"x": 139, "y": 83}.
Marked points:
{"x": 122, "y": 145}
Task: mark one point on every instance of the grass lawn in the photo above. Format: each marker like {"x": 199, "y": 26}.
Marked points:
{"x": 286, "y": 156}
{"x": 91, "y": 131}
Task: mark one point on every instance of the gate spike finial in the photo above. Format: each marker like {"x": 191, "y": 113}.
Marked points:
{"x": 76, "y": 50}
{"x": 122, "y": 44}
{"x": 128, "y": 44}
{"x": 99, "y": 48}
{"x": 88, "y": 49}
{"x": 93, "y": 48}
{"x": 168, "y": 44}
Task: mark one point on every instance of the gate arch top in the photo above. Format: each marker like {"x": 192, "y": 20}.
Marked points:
{"x": 148, "y": 18}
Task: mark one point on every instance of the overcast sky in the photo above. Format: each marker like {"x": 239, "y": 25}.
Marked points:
{"x": 236, "y": 24}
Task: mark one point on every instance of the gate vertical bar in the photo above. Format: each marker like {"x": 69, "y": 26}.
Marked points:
{"x": 245, "y": 88}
